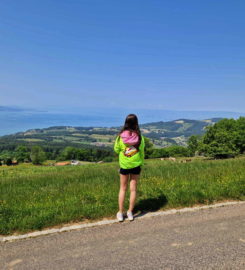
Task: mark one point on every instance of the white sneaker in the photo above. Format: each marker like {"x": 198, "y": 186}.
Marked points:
{"x": 119, "y": 216}
{"x": 130, "y": 215}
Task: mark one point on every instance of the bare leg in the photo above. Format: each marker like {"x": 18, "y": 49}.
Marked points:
{"x": 122, "y": 192}
{"x": 133, "y": 188}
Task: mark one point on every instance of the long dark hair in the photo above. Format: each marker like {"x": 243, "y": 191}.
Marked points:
{"x": 132, "y": 124}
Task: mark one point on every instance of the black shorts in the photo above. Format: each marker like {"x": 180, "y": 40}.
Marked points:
{"x": 135, "y": 170}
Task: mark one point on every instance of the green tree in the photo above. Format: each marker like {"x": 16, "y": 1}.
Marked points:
{"x": 69, "y": 153}
{"x": 193, "y": 144}
{"x": 225, "y": 138}
{"x": 108, "y": 159}
{"x": 22, "y": 153}
{"x": 239, "y": 139}
{"x": 160, "y": 153}
{"x": 8, "y": 161}
{"x": 6, "y": 156}
{"x": 37, "y": 155}
{"x": 178, "y": 151}
{"x": 148, "y": 148}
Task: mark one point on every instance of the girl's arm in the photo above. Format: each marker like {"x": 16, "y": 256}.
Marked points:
{"x": 117, "y": 145}
{"x": 142, "y": 149}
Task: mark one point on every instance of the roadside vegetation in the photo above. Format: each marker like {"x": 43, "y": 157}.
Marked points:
{"x": 35, "y": 197}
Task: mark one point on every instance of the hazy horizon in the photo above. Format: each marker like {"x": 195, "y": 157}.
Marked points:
{"x": 79, "y": 109}
{"x": 21, "y": 119}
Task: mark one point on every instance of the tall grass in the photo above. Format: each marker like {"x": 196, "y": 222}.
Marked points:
{"x": 34, "y": 197}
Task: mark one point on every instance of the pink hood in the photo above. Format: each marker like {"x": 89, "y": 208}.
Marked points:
{"x": 129, "y": 137}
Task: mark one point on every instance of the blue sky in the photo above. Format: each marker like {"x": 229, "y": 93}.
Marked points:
{"x": 171, "y": 55}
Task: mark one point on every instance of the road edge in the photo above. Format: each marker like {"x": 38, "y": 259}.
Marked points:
{"x": 106, "y": 222}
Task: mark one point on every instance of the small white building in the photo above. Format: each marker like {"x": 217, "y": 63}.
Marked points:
{"x": 75, "y": 162}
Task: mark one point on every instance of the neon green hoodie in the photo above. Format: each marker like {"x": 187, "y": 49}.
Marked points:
{"x": 129, "y": 162}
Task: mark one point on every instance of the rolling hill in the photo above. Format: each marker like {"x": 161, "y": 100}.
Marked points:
{"x": 161, "y": 133}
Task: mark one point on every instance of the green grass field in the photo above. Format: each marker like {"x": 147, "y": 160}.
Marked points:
{"x": 35, "y": 197}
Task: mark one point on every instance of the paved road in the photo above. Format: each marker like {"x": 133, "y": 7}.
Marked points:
{"x": 205, "y": 239}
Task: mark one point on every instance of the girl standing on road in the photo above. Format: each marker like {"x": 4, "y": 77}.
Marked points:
{"x": 130, "y": 146}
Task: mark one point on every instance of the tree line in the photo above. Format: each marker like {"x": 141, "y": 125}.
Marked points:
{"x": 37, "y": 155}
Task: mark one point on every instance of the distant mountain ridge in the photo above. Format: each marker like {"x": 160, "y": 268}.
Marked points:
{"x": 161, "y": 133}
{"x": 17, "y": 109}
{"x": 177, "y": 131}
{"x": 16, "y": 118}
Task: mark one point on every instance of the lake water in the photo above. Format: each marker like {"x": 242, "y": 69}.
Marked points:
{"x": 12, "y": 122}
